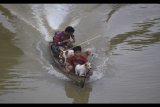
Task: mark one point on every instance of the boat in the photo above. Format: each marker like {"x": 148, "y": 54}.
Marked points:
{"x": 78, "y": 80}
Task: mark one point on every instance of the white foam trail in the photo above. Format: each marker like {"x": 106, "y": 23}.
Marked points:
{"x": 56, "y": 14}
{"x": 46, "y": 65}
{"x": 52, "y": 71}
{"x": 75, "y": 22}
{"x": 98, "y": 73}
{"x": 96, "y": 76}
{"x": 38, "y": 15}
{"x": 41, "y": 28}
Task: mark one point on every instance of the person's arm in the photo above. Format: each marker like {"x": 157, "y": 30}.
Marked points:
{"x": 68, "y": 40}
{"x": 65, "y": 41}
{"x": 73, "y": 38}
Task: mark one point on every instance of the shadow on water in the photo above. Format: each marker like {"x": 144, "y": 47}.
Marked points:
{"x": 115, "y": 8}
{"x": 9, "y": 53}
{"x": 6, "y": 12}
{"x": 79, "y": 95}
{"x": 141, "y": 37}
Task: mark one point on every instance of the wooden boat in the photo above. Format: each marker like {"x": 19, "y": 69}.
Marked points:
{"x": 78, "y": 80}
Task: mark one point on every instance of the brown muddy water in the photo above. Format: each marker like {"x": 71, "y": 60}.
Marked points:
{"x": 125, "y": 39}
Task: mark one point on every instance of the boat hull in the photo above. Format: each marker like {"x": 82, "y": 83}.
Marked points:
{"x": 78, "y": 80}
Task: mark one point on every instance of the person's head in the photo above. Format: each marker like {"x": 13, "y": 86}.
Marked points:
{"x": 77, "y": 50}
{"x": 69, "y": 30}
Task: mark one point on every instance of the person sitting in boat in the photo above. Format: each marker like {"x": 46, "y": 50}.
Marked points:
{"x": 62, "y": 39}
{"x": 77, "y": 58}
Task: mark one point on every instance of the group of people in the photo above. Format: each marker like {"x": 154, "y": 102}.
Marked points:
{"x": 66, "y": 39}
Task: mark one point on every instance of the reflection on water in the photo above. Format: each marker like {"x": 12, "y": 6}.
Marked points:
{"x": 6, "y": 12}
{"x": 79, "y": 95}
{"x": 114, "y": 9}
{"x": 9, "y": 53}
{"x": 142, "y": 36}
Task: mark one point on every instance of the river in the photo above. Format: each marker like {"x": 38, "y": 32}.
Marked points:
{"x": 126, "y": 45}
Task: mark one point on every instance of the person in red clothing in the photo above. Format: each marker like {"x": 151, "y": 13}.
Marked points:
{"x": 62, "y": 39}
{"x": 78, "y": 58}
